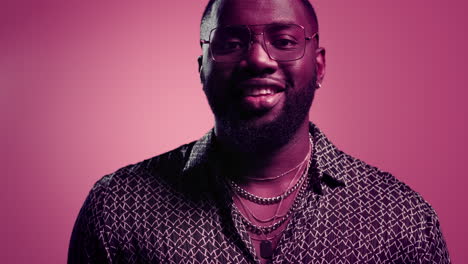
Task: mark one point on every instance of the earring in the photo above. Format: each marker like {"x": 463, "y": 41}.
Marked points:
{"x": 319, "y": 85}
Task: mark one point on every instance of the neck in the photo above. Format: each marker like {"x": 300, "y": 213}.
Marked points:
{"x": 265, "y": 164}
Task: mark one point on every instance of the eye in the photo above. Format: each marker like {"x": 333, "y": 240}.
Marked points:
{"x": 284, "y": 42}
{"x": 229, "y": 46}
{"x": 232, "y": 45}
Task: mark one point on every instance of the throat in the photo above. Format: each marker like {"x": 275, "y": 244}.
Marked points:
{"x": 276, "y": 168}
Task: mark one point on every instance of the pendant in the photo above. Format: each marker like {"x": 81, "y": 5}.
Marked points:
{"x": 266, "y": 249}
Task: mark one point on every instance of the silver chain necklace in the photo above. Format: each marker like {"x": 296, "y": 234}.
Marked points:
{"x": 259, "y": 230}
{"x": 271, "y": 200}
{"x": 281, "y": 175}
{"x": 266, "y": 244}
{"x": 276, "y": 215}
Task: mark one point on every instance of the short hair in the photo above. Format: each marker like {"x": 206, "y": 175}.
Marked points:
{"x": 209, "y": 9}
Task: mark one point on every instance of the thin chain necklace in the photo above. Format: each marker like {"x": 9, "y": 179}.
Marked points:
{"x": 270, "y": 228}
{"x": 266, "y": 243}
{"x": 275, "y": 216}
{"x": 271, "y": 200}
{"x": 281, "y": 175}
{"x": 264, "y": 200}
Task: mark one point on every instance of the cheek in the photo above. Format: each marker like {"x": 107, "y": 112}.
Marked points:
{"x": 218, "y": 74}
{"x": 300, "y": 73}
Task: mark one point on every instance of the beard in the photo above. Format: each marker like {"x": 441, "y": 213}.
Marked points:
{"x": 244, "y": 133}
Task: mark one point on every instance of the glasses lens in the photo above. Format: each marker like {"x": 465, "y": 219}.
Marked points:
{"x": 229, "y": 44}
{"x": 285, "y": 42}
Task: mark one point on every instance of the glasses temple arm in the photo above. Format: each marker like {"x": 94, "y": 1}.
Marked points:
{"x": 315, "y": 35}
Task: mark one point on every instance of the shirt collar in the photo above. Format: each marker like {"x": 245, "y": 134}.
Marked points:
{"x": 326, "y": 157}
{"x": 200, "y": 152}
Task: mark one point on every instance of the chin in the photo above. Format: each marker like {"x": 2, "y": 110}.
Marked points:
{"x": 256, "y": 135}
{"x": 261, "y": 132}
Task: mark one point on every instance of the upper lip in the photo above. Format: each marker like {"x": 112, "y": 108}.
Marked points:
{"x": 259, "y": 86}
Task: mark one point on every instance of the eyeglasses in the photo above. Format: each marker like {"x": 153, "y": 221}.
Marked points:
{"x": 282, "y": 42}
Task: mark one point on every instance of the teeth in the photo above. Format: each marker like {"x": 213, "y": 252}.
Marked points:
{"x": 263, "y": 91}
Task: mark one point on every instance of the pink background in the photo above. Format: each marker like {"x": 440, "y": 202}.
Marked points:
{"x": 88, "y": 87}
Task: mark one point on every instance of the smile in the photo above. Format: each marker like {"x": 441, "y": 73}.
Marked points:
{"x": 260, "y": 94}
{"x": 253, "y": 91}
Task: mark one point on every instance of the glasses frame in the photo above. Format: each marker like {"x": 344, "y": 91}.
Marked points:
{"x": 251, "y": 40}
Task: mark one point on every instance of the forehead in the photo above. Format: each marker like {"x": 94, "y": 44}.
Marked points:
{"x": 254, "y": 12}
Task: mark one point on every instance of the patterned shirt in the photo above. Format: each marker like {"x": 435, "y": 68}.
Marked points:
{"x": 172, "y": 208}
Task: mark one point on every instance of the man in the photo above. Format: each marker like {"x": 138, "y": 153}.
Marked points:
{"x": 265, "y": 185}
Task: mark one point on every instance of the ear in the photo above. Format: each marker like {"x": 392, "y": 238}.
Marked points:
{"x": 200, "y": 62}
{"x": 200, "y": 68}
{"x": 320, "y": 64}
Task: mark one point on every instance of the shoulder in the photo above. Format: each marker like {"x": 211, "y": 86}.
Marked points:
{"x": 164, "y": 167}
{"x": 369, "y": 195}
{"x": 380, "y": 190}
{"x": 367, "y": 183}
{"x": 117, "y": 199}
{"x": 383, "y": 188}
{"x": 377, "y": 208}
{"x": 395, "y": 213}
{"x": 173, "y": 172}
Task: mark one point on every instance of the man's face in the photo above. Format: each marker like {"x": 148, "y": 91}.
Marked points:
{"x": 259, "y": 102}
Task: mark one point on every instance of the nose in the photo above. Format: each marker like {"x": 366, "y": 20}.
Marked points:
{"x": 257, "y": 58}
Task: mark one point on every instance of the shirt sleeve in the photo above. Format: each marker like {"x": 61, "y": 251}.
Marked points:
{"x": 87, "y": 239}
{"x": 433, "y": 248}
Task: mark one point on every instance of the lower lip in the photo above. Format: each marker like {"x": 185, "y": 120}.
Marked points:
{"x": 261, "y": 102}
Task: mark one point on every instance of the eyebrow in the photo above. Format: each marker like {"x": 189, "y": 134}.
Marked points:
{"x": 279, "y": 24}
{"x": 283, "y": 22}
{"x": 276, "y": 22}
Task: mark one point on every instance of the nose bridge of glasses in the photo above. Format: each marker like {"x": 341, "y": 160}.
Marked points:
{"x": 257, "y": 36}
{"x": 256, "y": 32}
{"x": 258, "y": 47}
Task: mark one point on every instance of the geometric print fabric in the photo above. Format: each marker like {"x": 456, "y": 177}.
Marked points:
{"x": 173, "y": 208}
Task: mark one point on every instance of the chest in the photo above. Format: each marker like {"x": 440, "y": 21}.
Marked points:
{"x": 170, "y": 229}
